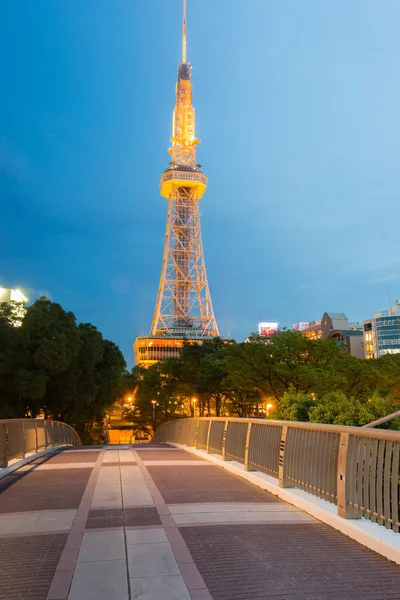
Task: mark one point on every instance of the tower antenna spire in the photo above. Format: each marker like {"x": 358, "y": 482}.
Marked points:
{"x": 184, "y": 33}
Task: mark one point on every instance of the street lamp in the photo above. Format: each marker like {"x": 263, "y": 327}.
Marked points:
{"x": 154, "y": 402}
{"x": 194, "y": 400}
{"x": 269, "y": 406}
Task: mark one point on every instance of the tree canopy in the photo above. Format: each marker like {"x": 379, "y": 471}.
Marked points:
{"x": 50, "y": 364}
{"x": 296, "y": 377}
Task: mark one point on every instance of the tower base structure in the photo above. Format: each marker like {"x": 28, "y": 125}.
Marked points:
{"x": 149, "y": 349}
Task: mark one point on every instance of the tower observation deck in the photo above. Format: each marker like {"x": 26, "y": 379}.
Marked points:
{"x": 183, "y": 308}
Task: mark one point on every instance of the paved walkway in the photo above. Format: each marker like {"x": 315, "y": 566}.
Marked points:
{"x": 157, "y": 523}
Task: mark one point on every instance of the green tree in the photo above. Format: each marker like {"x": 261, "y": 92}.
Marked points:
{"x": 286, "y": 361}
{"x": 51, "y": 364}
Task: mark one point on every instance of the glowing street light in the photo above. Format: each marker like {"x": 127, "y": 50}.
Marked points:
{"x": 154, "y": 402}
{"x": 268, "y": 407}
{"x": 194, "y": 400}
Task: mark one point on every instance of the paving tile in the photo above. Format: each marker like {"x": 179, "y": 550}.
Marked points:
{"x": 52, "y": 467}
{"x": 130, "y": 517}
{"x": 201, "y": 595}
{"x": 28, "y": 565}
{"x": 181, "y": 552}
{"x": 186, "y": 484}
{"x": 43, "y": 490}
{"x": 57, "y": 515}
{"x": 145, "y": 536}
{"x": 68, "y": 560}
{"x": 175, "y": 463}
{"x": 74, "y": 541}
{"x": 16, "y": 527}
{"x": 168, "y": 454}
{"x": 151, "y": 560}
{"x": 159, "y": 588}
{"x": 103, "y": 580}
{"x": 288, "y": 516}
{"x": 60, "y": 585}
{"x": 223, "y": 507}
{"x": 102, "y": 546}
{"x": 21, "y": 517}
{"x": 73, "y": 457}
{"x": 288, "y": 562}
{"x": 192, "y": 518}
{"x": 192, "y": 577}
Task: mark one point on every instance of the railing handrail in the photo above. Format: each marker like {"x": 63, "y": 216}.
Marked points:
{"x": 385, "y": 434}
{"x": 383, "y": 419}
{"x": 31, "y": 419}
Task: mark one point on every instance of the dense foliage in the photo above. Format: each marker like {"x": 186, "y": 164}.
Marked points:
{"x": 296, "y": 377}
{"x": 53, "y": 366}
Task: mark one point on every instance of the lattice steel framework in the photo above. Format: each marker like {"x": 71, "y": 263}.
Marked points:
{"x": 183, "y": 307}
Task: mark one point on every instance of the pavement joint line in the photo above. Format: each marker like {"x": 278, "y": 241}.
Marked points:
{"x": 190, "y": 573}
{"x": 124, "y": 530}
{"x": 61, "y": 584}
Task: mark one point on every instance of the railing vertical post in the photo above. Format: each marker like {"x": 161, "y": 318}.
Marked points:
{"x": 224, "y": 440}
{"x": 36, "y": 437}
{"x": 46, "y": 437}
{"x": 4, "y": 451}
{"x": 23, "y": 439}
{"x": 346, "y": 471}
{"x": 247, "y": 448}
{"x": 208, "y": 436}
{"x": 283, "y": 483}
{"x": 196, "y": 434}
{"x": 187, "y": 433}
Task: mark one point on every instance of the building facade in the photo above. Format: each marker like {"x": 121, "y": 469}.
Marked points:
{"x": 382, "y": 333}
{"x": 336, "y": 326}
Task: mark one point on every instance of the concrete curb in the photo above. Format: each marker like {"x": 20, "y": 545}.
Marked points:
{"x": 375, "y": 537}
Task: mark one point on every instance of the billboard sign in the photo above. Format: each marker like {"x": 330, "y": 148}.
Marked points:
{"x": 301, "y": 326}
{"x": 267, "y": 328}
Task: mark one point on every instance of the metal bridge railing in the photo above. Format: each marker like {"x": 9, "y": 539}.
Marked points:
{"x": 19, "y": 437}
{"x": 355, "y": 468}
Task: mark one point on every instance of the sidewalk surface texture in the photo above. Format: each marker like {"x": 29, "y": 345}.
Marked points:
{"x": 157, "y": 523}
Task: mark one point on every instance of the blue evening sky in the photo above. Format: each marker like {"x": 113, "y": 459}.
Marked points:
{"x": 297, "y": 104}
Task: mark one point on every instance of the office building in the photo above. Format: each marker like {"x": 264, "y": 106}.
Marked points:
{"x": 382, "y": 333}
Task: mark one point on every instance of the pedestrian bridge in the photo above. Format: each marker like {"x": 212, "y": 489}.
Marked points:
{"x": 226, "y": 509}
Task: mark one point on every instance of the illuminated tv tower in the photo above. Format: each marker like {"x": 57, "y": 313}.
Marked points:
{"x": 183, "y": 308}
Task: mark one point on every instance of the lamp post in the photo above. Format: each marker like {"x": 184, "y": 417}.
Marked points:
{"x": 154, "y": 402}
{"x": 194, "y": 400}
{"x": 268, "y": 407}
